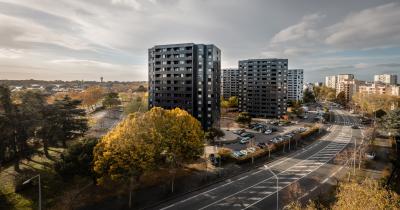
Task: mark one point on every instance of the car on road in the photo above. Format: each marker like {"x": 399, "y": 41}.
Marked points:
{"x": 245, "y": 140}
{"x": 354, "y": 127}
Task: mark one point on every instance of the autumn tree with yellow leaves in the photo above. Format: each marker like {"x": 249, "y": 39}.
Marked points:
{"x": 143, "y": 141}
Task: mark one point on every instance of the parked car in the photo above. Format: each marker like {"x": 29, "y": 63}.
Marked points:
{"x": 245, "y": 140}
{"x": 238, "y": 132}
{"x": 268, "y": 132}
{"x": 247, "y": 135}
{"x": 261, "y": 145}
{"x": 244, "y": 152}
{"x": 237, "y": 154}
{"x": 251, "y": 149}
{"x": 370, "y": 156}
{"x": 354, "y": 127}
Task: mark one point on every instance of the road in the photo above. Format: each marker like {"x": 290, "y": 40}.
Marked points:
{"x": 308, "y": 168}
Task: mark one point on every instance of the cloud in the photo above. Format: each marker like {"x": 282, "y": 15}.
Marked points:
{"x": 388, "y": 65}
{"x": 361, "y": 65}
{"x": 84, "y": 62}
{"x": 371, "y": 28}
{"x": 131, "y": 3}
{"x": 10, "y": 53}
{"x": 23, "y": 33}
{"x": 304, "y": 30}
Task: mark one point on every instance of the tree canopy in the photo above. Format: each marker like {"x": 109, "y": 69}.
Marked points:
{"x": 144, "y": 140}
{"x": 111, "y": 100}
{"x": 324, "y": 93}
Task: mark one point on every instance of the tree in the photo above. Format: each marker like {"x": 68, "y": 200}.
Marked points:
{"x": 213, "y": 133}
{"x": 233, "y": 102}
{"x": 92, "y": 96}
{"x": 141, "y": 88}
{"x": 111, "y": 100}
{"x": 144, "y": 140}
{"x": 341, "y": 98}
{"x": 366, "y": 195}
{"x": 308, "y": 96}
{"x": 369, "y": 103}
{"x": 324, "y": 93}
{"x": 391, "y": 122}
{"x": 243, "y": 118}
{"x": 77, "y": 159}
{"x": 62, "y": 122}
{"x": 6, "y": 124}
{"x": 136, "y": 105}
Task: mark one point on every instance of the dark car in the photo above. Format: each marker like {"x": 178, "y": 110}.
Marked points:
{"x": 261, "y": 145}
{"x": 354, "y": 127}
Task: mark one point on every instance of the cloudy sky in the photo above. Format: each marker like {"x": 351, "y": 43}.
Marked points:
{"x": 87, "y": 39}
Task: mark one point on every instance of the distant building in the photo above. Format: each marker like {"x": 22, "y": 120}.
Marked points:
{"x": 379, "y": 88}
{"x": 390, "y": 79}
{"x": 186, "y": 76}
{"x": 318, "y": 84}
{"x": 295, "y": 82}
{"x": 331, "y": 81}
{"x": 308, "y": 86}
{"x": 263, "y": 87}
{"x": 230, "y": 82}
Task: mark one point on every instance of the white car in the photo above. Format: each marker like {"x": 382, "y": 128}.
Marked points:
{"x": 244, "y": 152}
{"x": 268, "y": 132}
{"x": 251, "y": 149}
{"x": 245, "y": 140}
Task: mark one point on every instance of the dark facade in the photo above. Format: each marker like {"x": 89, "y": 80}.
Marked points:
{"x": 263, "y": 87}
{"x": 230, "y": 83}
{"x": 186, "y": 76}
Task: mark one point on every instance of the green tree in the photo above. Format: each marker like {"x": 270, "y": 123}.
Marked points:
{"x": 308, "y": 96}
{"x": 77, "y": 159}
{"x": 341, "y": 98}
{"x": 243, "y": 118}
{"x": 213, "y": 133}
{"x": 111, "y": 100}
{"x": 391, "y": 122}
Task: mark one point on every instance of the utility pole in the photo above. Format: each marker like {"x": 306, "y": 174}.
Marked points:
{"x": 40, "y": 188}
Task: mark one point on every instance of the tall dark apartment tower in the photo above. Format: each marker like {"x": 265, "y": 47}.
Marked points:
{"x": 263, "y": 87}
{"x": 186, "y": 76}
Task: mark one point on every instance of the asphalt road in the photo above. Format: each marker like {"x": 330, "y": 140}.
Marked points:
{"x": 309, "y": 168}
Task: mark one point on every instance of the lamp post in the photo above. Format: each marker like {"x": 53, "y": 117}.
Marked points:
{"x": 277, "y": 185}
{"x": 40, "y": 189}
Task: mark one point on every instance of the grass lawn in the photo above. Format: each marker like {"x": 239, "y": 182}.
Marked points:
{"x": 27, "y": 197}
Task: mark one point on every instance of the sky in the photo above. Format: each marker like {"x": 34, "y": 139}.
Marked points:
{"x": 89, "y": 39}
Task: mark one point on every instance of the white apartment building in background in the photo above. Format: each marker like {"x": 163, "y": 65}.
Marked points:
{"x": 390, "y": 79}
{"x": 295, "y": 80}
{"x": 331, "y": 81}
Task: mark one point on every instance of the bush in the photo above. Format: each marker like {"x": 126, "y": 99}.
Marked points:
{"x": 243, "y": 118}
{"x": 309, "y": 132}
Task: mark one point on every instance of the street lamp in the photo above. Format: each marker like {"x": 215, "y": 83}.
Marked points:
{"x": 40, "y": 190}
{"x": 277, "y": 185}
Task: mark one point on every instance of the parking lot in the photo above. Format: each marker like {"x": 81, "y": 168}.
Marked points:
{"x": 258, "y": 137}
